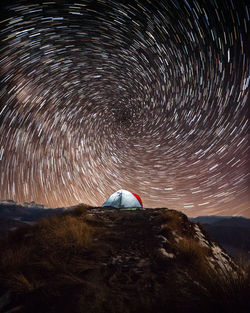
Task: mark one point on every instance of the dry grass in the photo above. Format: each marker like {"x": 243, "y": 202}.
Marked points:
{"x": 14, "y": 258}
{"x": 80, "y": 210}
{"x": 175, "y": 223}
{"x": 223, "y": 292}
{"x": 43, "y": 255}
{"x": 65, "y": 232}
{"x": 172, "y": 218}
{"x": 20, "y": 284}
{"x": 210, "y": 290}
{"x": 192, "y": 253}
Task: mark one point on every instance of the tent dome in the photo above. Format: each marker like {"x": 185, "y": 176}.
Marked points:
{"x": 123, "y": 199}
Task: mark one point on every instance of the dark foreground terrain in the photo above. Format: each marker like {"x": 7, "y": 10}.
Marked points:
{"x": 232, "y": 233}
{"x": 94, "y": 260}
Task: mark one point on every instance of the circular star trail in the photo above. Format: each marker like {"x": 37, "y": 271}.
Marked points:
{"x": 149, "y": 96}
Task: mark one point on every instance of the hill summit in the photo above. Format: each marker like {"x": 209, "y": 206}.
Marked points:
{"x": 104, "y": 260}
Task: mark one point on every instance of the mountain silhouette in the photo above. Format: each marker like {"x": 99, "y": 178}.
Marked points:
{"x": 231, "y": 232}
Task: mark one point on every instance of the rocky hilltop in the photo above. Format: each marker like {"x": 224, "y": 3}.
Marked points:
{"x": 95, "y": 260}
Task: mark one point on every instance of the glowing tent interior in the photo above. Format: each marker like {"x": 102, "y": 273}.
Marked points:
{"x": 123, "y": 199}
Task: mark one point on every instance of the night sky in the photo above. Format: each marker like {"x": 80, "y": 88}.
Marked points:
{"x": 148, "y": 96}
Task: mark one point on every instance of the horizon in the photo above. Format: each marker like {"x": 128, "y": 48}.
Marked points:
{"x": 144, "y": 207}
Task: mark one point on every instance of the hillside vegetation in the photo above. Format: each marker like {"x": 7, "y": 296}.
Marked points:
{"x": 94, "y": 260}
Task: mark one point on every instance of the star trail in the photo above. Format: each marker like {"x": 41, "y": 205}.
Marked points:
{"x": 148, "y": 96}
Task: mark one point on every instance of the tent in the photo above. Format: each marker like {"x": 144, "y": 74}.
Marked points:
{"x": 123, "y": 199}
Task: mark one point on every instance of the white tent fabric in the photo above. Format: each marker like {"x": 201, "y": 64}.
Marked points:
{"x": 122, "y": 199}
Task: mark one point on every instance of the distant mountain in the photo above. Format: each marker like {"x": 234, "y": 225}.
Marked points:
{"x": 231, "y": 232}
{"x": 209, "y": 219}
{"x": 26, "y": 211}
{"x": 13, "y": 214}
{"x": 234, "y": 222}
{"x": 31, "y": 204}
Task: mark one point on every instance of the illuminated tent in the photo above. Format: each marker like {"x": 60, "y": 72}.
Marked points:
{"x": 123, "y": 199}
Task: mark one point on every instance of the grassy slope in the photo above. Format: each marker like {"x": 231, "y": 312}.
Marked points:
{"x": 113, "y": 262}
